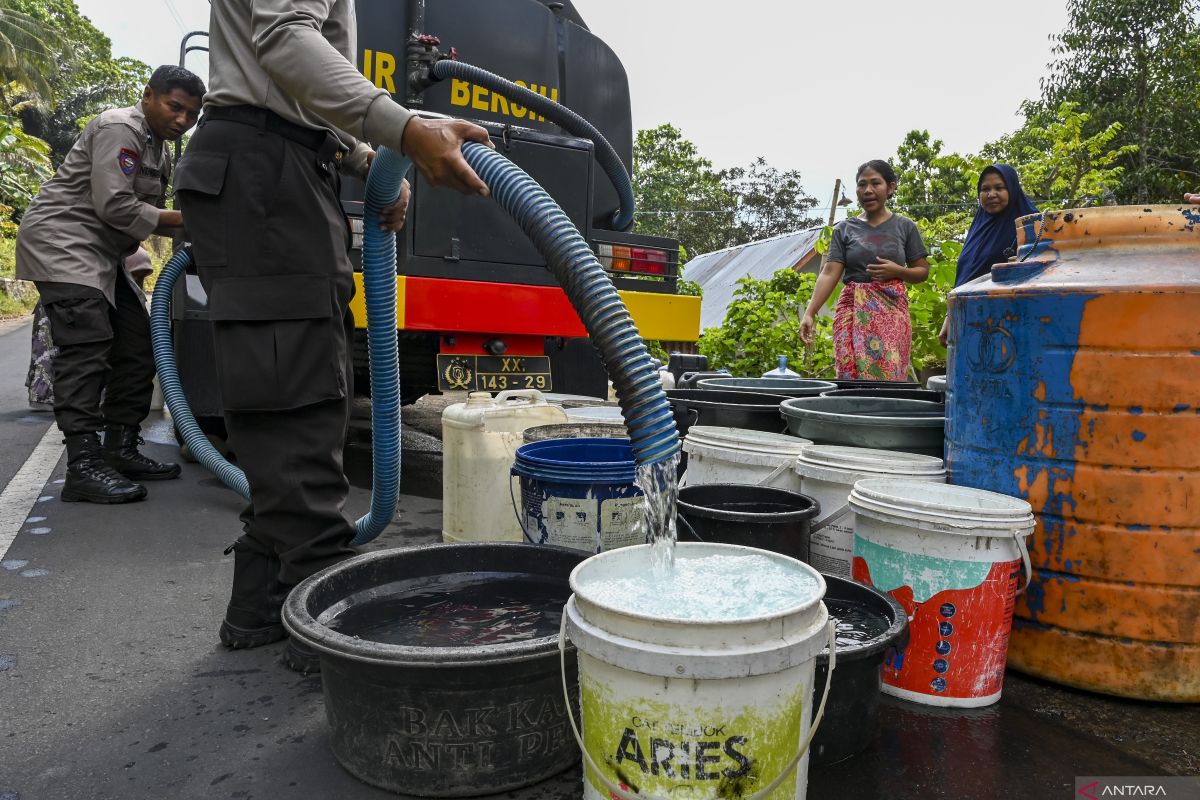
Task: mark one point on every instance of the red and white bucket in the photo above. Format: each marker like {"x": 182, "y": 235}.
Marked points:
{"x": 953, "y": 557}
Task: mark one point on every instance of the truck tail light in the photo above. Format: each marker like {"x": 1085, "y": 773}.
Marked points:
{"x": 643, "y": 260}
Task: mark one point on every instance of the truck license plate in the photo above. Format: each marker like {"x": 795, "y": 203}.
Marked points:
{"x": 493, "y": 373}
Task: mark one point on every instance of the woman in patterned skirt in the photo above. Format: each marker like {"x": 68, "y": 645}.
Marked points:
{"x": 874, "y": 255}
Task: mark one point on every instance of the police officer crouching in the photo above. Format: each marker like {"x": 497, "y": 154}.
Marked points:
{"x": 108, "y": 195}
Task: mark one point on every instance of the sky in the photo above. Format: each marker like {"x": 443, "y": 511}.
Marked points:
{"x": 819, "y": 88}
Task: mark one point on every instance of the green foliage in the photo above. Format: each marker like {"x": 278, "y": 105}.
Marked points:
{"x": 763, "y": 323}
{"x": 28, "y": 45}
{"x": 680, "y": 195}
{"x": 927, "y": 300}
{"x": 930, "y": 181}
{"x": 24, "y": 164}
{"x": 677, "y": 192}
{"x": 84, "y": 80}
{"x": 1058, "y": 159}
{"x": 769, "y": 202}
{"x": 1134, "y": 62}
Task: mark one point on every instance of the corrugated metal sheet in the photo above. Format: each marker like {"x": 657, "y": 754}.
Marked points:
{"x": 718, "y": 272}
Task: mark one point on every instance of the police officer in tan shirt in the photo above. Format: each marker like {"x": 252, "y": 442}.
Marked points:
{"x": 107, "y": 196}
{"x": 287, "y": 110}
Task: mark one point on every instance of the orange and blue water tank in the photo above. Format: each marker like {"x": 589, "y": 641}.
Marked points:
{"x": 1074, "y": 383}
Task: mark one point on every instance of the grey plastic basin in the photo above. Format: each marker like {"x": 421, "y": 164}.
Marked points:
{"x": 910, "y": 426}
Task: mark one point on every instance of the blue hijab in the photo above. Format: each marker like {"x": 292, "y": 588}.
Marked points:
{"x": 991, "y": 235}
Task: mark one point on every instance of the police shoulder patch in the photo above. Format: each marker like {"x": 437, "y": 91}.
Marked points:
{"x": 128, "y": 160}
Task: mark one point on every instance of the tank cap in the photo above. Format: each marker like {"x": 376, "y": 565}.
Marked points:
{"x": 865, "y": 459}
{"x": 477, "y": 399}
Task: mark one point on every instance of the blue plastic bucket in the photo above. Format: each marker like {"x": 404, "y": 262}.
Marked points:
{"x": 579, "y": 493}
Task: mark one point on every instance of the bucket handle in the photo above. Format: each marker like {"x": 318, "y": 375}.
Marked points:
{"x": 681, "y": 518}
{"x": 782, "y": 468}
{"x": 621, "y": 794}
{"x": 512, "y": 496}
{"x": 832, "y": 518}
{"x": 1024, "y": 548}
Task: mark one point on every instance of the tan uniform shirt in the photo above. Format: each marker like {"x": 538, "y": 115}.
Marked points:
{"x": 296, "y": 58}
{"x": 101, "y": 202}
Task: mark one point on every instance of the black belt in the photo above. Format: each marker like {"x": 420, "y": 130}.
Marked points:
{"x": 328, "y": 148}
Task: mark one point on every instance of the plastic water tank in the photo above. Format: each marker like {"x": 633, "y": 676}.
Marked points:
{"x": 1074, "y": 383}
{"x": 479, "y": 442}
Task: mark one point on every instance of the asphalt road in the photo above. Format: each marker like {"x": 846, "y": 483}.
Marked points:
{"x": 113, "y": 683}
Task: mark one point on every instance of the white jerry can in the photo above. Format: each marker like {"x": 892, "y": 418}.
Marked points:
{"x": 479, "y": 443}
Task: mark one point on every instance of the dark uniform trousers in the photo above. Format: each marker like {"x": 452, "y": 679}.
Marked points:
{"x": 102, "y": 351}
{"x": 270, "y": 240}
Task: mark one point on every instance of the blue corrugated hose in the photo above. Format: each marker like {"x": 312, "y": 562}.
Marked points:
{"x": 643, "y": 402}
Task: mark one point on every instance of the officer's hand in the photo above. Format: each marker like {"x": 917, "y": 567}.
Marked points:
{"x": 392, "y": 217}
{"x": 434, "y": 145}
{"x": 1194, "y": 199}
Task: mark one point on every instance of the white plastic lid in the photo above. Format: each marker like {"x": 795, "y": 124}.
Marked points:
{"x": 941, "y": 506}
{"x": 775, "y": 444}
{"x": 841, "y": 464}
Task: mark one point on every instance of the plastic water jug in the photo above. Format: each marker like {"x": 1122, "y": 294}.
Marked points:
{"x": 781, "y": 371}
{"x": 480, "y": 439}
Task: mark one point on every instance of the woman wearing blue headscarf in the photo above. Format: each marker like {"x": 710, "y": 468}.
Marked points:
{"x": 993, "y": 232}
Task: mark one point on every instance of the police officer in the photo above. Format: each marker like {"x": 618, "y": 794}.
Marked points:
{"x": 107, "y": 196}
{"x": 259, "y": 187}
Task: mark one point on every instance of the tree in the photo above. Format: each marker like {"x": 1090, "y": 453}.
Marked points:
{"x": 1060, "y": 164}
{"x": 769, "y": 202}
{"x": 678, "y": 194}
{"x": 27, "y": 50}
{"x": 24, "y": 164}
{"x": 931, "y": 183}
{"x": 86, "y": 80}
{"x": 1134, "y": 62}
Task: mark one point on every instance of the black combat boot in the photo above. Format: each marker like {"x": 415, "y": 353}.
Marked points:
{"x": 253, "y": 616}
{"x": 121, "y": 452}
{"x": 90, "y": 479}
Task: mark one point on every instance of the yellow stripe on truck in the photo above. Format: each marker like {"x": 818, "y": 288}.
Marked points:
{"x": 664, "y": 317}
{"x": 358, "y": 305}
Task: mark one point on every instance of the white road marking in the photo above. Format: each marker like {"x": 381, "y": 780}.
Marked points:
{"x": 26, "y": 486}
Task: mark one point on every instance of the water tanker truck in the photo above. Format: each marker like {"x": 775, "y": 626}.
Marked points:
{"x": 477, "y": 308}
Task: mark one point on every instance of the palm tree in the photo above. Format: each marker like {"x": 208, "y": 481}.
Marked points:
{"x": 27, "y": 51}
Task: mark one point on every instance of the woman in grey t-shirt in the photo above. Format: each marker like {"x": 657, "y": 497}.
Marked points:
{"x": 874, "y": 255}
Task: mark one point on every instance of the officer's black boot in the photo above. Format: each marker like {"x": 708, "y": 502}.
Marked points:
{"x": 90, "y": 479}
{"x": 301, "y": 658}
{"x": 121, "y": 452}
{"x": 253, "y": 616}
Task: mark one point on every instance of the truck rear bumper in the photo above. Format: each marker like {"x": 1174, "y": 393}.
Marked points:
{"x": 440, "y": 305}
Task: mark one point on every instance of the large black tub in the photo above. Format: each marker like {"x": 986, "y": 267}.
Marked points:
{"x": 869, "y": 624}
{"x": 754, "y": 516}
{"x": 477, "y": 707}
{"x": 754, "y": 411}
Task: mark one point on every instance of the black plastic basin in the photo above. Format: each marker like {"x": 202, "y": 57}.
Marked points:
{"x": 754, "y": 411}
{"x": 852, "y": 712}
{"x": 755, "y": 516}
{"x": 881, "y": 423}
{"x": 440, "y": 721}
{"x": 789, "y": 387}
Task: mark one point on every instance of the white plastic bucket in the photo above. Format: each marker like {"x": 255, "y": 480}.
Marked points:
{"x": 737, "y": 455}
{"x": 953, "y": 557}
{"x": 693, "y": 709}
{"x": 828, "y": 473}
